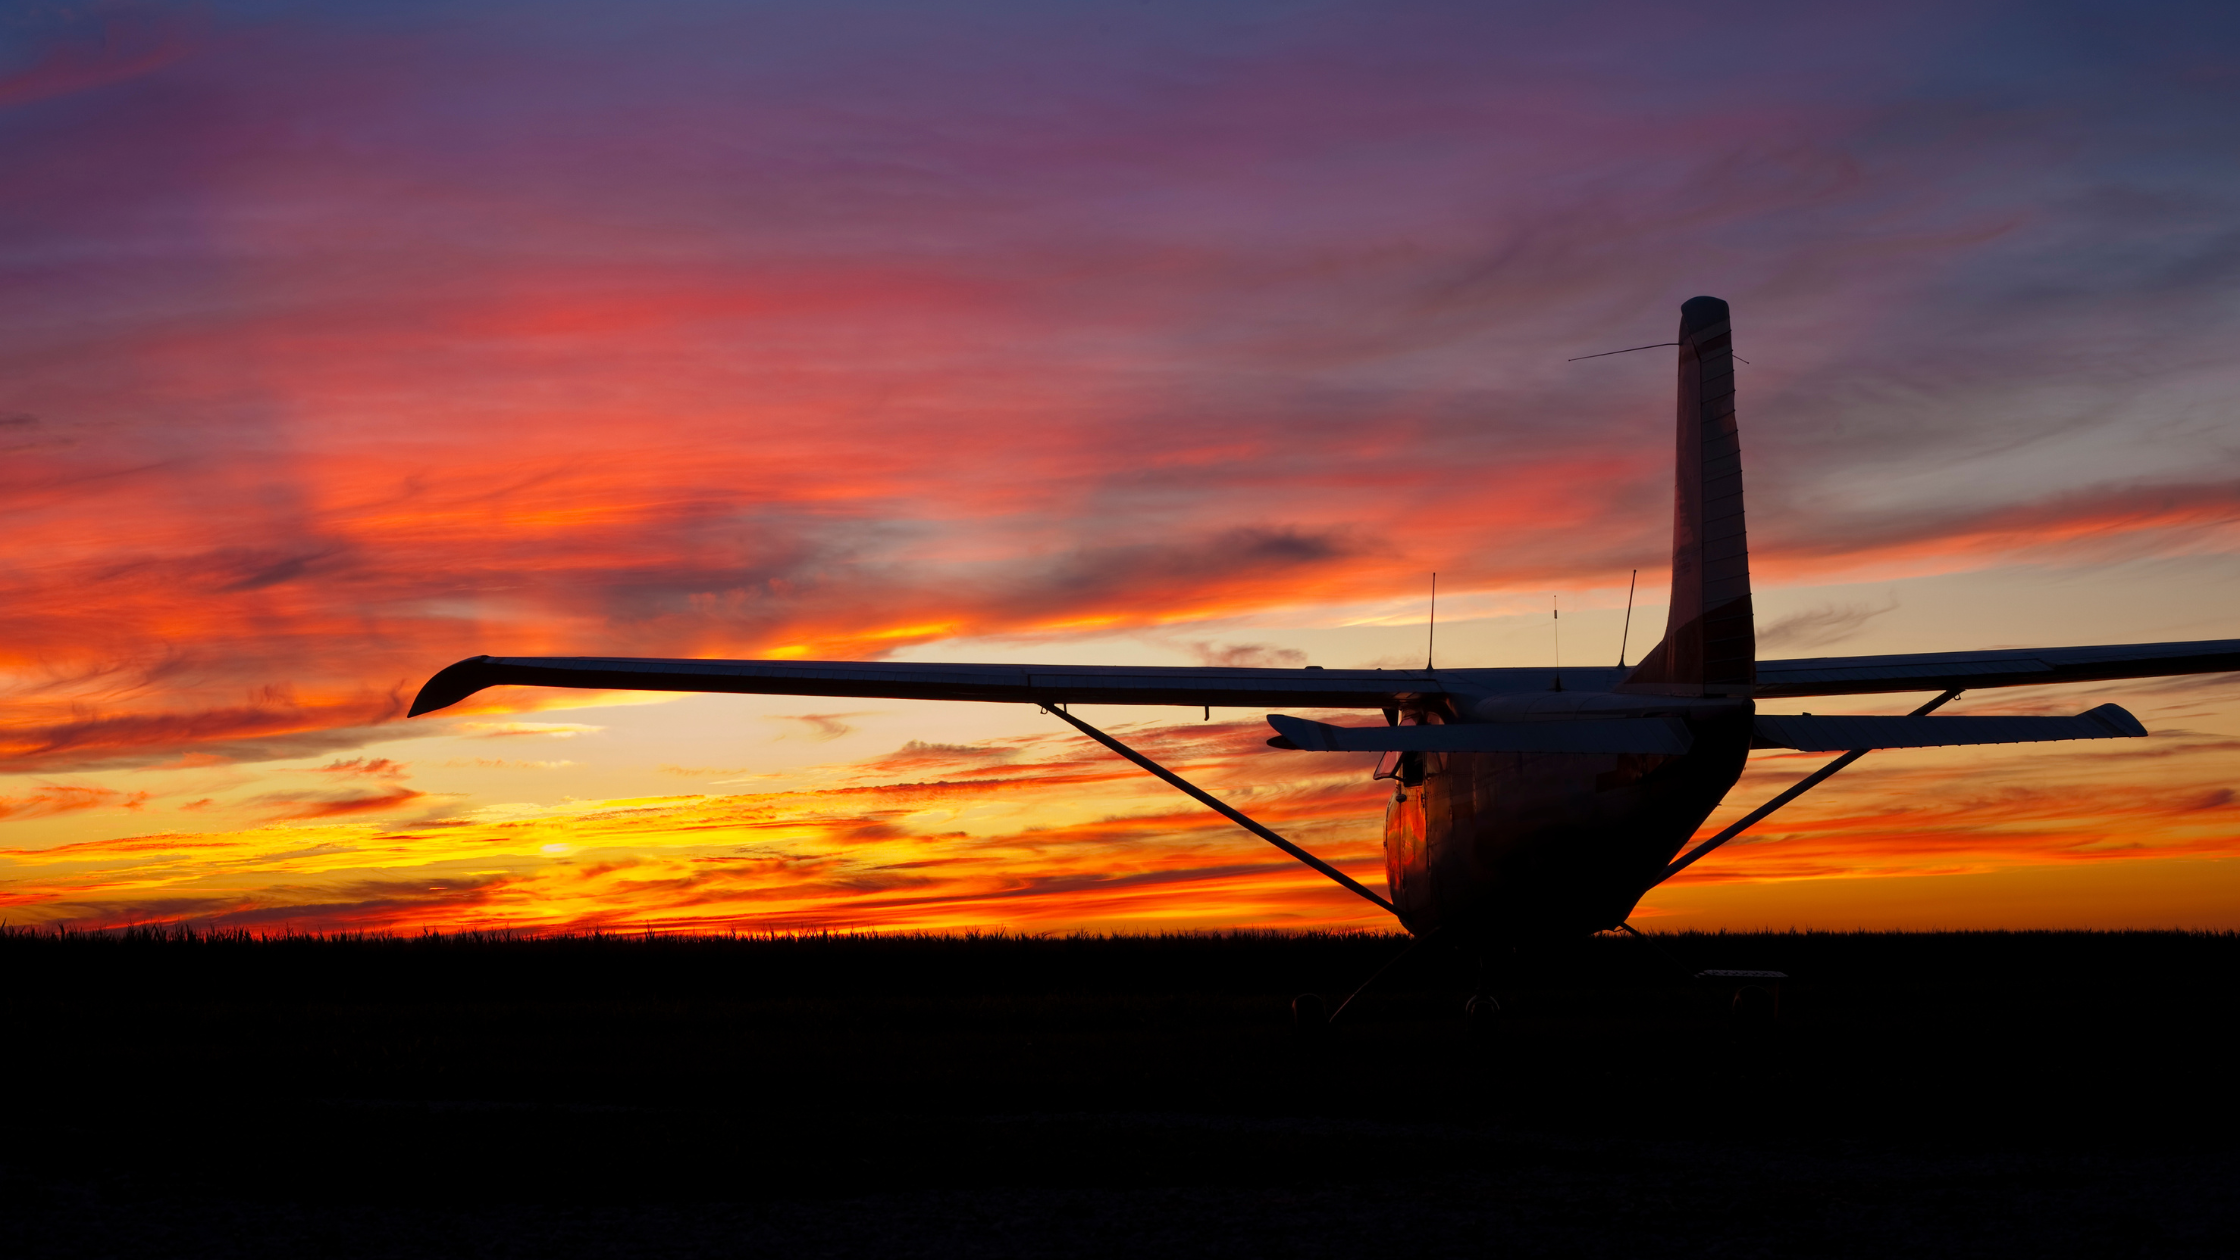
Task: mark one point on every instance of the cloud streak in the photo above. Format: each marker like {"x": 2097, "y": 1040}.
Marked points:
{"x": 1819, "y": 627}
{"x": 49, "y": 799}
{"x": 1053, "y": 831}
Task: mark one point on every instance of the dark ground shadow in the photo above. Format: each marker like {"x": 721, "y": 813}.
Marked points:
{"x": 1961, "y": 1094}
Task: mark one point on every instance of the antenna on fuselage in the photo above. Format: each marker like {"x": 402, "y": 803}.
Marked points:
{"x": 1627, "y": 633}
{"x": 1555, "y": 618}
{"x": 1431, "y": 628}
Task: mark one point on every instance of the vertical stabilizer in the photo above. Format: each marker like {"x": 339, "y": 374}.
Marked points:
{"x": 1710, "y": 640}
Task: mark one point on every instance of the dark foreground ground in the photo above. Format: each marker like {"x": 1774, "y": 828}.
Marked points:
{"x": 1971, "y": 1094}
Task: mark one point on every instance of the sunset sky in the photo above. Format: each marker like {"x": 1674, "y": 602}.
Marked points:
{"x": 345, "y": 341}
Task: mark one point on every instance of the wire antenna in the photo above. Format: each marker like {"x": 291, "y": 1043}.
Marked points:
{"x": 1431, "y": 628}
{"x": 1628, "y": 350}
{"x": 1627, "y": 633}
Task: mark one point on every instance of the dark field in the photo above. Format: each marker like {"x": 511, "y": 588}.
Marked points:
{"x": 1961, "y": 1094}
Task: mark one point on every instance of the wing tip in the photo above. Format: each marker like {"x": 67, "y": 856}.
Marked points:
{"x": 1290, "y": 731}
{"x": 451, "y": 684}
{"x": 2117, "y": 719}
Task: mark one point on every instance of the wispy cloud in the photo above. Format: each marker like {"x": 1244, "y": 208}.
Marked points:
{"x": 77, "y": 48}
{"x": 1246, "y": 655}
{"x": 49, "y": 799}
{"x": 500, "y": 763}
{"x": 336, "y": 804}
{"x": 365, "y": 767}
{"x": 818, "y": 727}
{"x": 1820, "y": 626}
{"x": 526, "y": 730}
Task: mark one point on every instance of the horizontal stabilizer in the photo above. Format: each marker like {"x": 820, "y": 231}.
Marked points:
{"x": 1587, "y": 735}
{"x": 1811, "y": 733}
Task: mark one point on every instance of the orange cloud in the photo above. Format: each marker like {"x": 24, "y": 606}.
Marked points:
{"x": 259, "y": 732}
{"x": 1058, "y": 832}
{"x": 287, "y": 805}
{"x": 368, "y": 767}
{"x": 63, "y": 798}
{"x": 1053, "y": 831}
{"x": 821, "y": 727}
{"x": 2103, "y": 523}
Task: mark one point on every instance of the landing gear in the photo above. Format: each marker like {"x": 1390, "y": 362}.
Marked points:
{"x": 1481, "y": 1011}
{"x": 1309, "y": 1018}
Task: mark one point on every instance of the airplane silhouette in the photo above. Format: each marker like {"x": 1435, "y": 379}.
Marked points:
{"x": 1528, "y": 803}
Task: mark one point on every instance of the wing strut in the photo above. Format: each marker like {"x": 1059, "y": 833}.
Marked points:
{"x": 1809, "y": 782}
{"x": 1211, "y": 802}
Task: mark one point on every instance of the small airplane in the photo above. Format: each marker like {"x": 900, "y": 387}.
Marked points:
{"x": 1528, "y": 803}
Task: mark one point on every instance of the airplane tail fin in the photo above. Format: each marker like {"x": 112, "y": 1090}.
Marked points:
{"x": 1710, "y": 639}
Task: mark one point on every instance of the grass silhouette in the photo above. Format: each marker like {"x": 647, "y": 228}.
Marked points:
{"x": 466, "y": 1073}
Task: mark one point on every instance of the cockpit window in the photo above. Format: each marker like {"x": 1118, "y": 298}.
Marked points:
{"x": 1407, "y": 767}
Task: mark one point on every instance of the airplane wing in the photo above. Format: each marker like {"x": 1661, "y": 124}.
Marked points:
{"x": 2014, "y": 667}
{"x": 1028, "y": 684}
{"x": 1841, "y": 733}
{"x": 1295, "y": 688}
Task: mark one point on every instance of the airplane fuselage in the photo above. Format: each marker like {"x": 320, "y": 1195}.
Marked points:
{"x": 1495, "y": 846}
